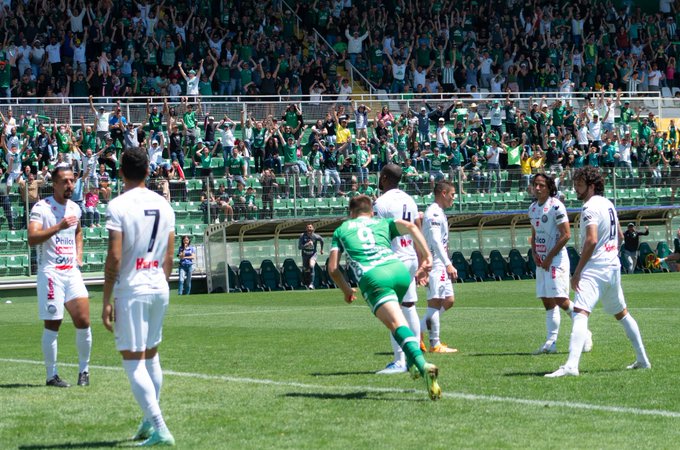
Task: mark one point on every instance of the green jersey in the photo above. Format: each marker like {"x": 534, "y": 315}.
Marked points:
{"x": 30, "y": 127}
{"x": 314, "y": 159}
{"x": 189, "y": 118}
{"x": 514, "y": 155}
{"x": 90, "y": 141}
{"x": 155, "y": 121}
{"x": 291, "y": 119}
{"x": 62, "y": 142}
{"x": 258, "y": 138}
{"x": 289, "y": 154}
{"x": 367, "y": 241}
{"x": 235, "y": 165}
{"x": 436, "y": 161}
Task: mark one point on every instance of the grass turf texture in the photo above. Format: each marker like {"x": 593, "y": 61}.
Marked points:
{"x": 295, "y": 370}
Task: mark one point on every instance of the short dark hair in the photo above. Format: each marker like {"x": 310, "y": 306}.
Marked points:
{"x": 590, "y": 176}
{"x": 442, "y": 186}
{"x": 56, "y": 172}
{"x": 549, "y": 182}
{"x": 360, "y": 204}
{"x": 134, "y": 164}
{"x": 392, "y": 174}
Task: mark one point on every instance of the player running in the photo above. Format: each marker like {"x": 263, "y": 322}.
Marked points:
{"x": 397, "y": 204}
{"x": 383, "y": 279}
{"x": 550, "y": 233}
{"x": 54, "y": 227}
{"x": 139, "y": 262}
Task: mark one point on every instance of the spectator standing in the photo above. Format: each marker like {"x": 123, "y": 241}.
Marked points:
{"x": 187, "y": 256}
{"x": 309, "y": 243}
{"x": 631, "y": 244}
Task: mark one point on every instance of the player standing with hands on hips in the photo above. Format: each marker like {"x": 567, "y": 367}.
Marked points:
{"x": 54, "y": 227}
{"x": 141, "y": 227}
{"x": 598, "y": 273}
{"x": 550, "y": 233}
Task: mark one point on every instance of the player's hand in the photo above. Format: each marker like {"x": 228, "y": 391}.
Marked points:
{"x": 350, "y": 295}
{"x": 537, "y": 259}
{"x": 68, "y": 222}
{"x": 107, "y": 316}
{"x": 545, "y": 264}
{"x": 575, "y": 279}
{"x": 452, "y": 272}
{"x": 422, "y": 277}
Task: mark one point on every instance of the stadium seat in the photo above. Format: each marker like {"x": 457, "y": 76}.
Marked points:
{"x": 662, "y": 249}
{"x": 248, "y": 277}
{"x": 480, "y": 268}
{"x": 460, "y": 263}
{"x": 234, "y": 285}
{"x": 531, "y": 264}
{"x": 92, "y": 236}
{"x": 4, "y": 243}
{"x": 4, "y": 271}
{"x": 16, "y": 237}
{"x": 498, "y": 266}
{"x": 331, "y": 283}
{"x": 292, "y": 275}
{"x": 643, "y": 252}
{"x": 518, "y": 265}
{"x": 320, "y": 277}
{"x": 270, "y": 277}
{"x": 574, "y": 258}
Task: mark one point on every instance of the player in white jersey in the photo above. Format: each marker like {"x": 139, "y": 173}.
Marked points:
{"x": 54, "y": 228}
{"x": 139, "y": 262}
{"x": 598, "y": 273}
{"x": 397, "y": 204}
{"x": 550, "y": 233}
{"x": 440, "y": 295}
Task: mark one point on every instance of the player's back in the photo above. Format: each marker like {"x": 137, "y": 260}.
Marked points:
{"x": 601, "y": 212}
{"x": 397, "y": 204}
{"x": 146, "y": 219}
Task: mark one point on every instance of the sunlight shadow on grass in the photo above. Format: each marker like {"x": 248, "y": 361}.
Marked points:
{"x": 361, "y": 395}
{"x": 340, "y": 374}
{"x": 95, "y": 444}
{"x": 20, "y": 385}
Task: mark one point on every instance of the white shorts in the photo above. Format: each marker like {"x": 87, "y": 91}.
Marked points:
{"x": 139, "y": 321}
{"x": 56, "y": 288}
{"x": 411, "y": 295}
{"x": 602, "y": 283}
{"x": 553, "y": 283}
{"x": 440, "y": 285}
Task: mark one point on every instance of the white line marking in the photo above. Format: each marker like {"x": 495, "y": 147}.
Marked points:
{"x": 453, "y": 395}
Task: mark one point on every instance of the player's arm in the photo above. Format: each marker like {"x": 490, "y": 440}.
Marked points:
{"x": 37, "y": 234}
{"x": 338, "y": 279}
{"x": 534, "y": 255}
{"x": 565, "y": 235}
{"x": 79, "y": 245}
{"x": 319, "y": 239}
{"x": 111, "y": 269}
{"x": 424, "y": 255}
{"x": 586, "y": 253}
{"x": 439, "y": 250}
{"x": 169, "y": 251}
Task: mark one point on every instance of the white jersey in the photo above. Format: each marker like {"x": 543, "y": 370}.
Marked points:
{"x": 59, "y": 251}
{"x": 600, "y": 212}
{"x": 397, "y": 204}
{"x": 192, "y": 85}
{"x": 436, "y": 231}
{"x": 545, "y": 220}
{"x": 145, "y": 219}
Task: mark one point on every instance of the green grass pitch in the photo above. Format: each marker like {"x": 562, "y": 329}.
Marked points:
{"x": 295, "y": 370}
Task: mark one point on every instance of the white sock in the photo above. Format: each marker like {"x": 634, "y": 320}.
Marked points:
{"x": 49, "y": 348}
{"x": 434, "y": 327}
{"x": 399, "y": 356}
{"x": 144, "y": 392}
{"x": 84, "y": 345}
{"x": 552, "y": 324}
{"x": 633, "y": 332}
{"x": 153, "y": 366}
{"x": 411, "y": 315}
{"x": 579, "y": 334}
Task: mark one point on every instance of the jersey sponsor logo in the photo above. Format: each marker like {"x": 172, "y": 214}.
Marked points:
{"x": 64, "y": 240}
{"x": 143, "y": 264}
{"x": 611, "y": 248}
{"x": 556, "y": 207}
{"x": 544, "y": 218}
{"x": 52, "y": 309}
{"x": 50, "y": 290}
{"x": 559, "y": 216}
{"x": 405, "y": 242}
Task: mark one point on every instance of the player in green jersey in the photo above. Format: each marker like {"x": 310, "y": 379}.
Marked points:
{"x": 383, "y": 278}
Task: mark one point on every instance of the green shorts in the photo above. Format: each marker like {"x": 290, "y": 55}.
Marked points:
{"x": 385, "y": 283}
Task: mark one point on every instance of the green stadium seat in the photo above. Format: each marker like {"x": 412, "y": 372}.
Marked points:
{"x": 480, "y": 268}
{"x": 4, "y": 243}
{"x": 499, "y": 266}
{"x": 15, "y": 237}
{"x": 462, "y": 267}
{"x": 662, "y": 249}
{"x": 643, "y": 252}
{"x": 518, "y": 265}
{"x": 270, "y": 277}
{"x": 4, "y": 271}
{"x": 234, "y": 284}
{"x": 574, "y": 258}
{"x": 292, "y": 275}
{"x": 531, "y": 264}
{"x": 248, "y": 277}
{"x": 320, "y": 277}
{"x": 92, "y": 236}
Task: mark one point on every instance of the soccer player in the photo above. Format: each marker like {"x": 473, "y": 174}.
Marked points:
{"x": 307, "y": 244}
{"x": 440, "y": 296}
{"x": 54, "y": 227}
{"x": 550, "y": 233}
{"x": 598, "y": 273}
{"x": 139, "y": 261}
{"x": 397, "y": 204}
{"x": 383, "y": 279}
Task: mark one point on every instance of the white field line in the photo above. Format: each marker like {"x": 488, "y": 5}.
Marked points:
{"x": 452, "y": 395}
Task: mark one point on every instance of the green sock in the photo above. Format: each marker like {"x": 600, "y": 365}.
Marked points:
{"x": 411, "y": 346}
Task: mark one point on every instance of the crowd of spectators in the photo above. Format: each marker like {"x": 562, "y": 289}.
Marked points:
{"x": 186, "y": 52}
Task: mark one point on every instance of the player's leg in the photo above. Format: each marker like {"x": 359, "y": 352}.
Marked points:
{"x": 51, "y": 311}
{"x": 613, "y": 301}
{"x": 78, "y": 306}
{"x": 446, "y": 303}
{"x": 312, "y": 263}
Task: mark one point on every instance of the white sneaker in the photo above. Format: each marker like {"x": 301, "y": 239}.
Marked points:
{"x": 640, "y": 365}
{"x": 548, "y": 347}
{"x": 393, "y": 368}
{"x": 563, "y": 371}
{"x": 588, "y": 345}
